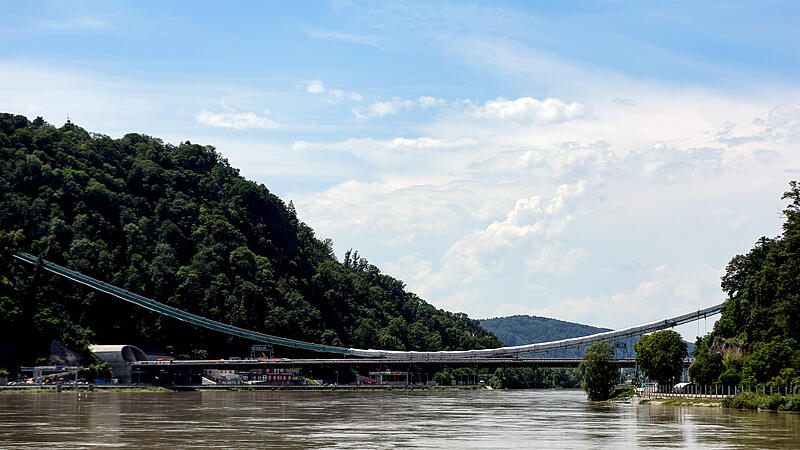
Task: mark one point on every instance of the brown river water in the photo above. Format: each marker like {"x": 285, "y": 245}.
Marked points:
{"x": 381, "y": 419}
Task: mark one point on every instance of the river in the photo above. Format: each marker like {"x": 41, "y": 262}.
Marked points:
{"x": 358, "y": 419}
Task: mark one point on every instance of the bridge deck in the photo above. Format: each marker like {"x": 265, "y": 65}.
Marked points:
{"x": 368, "y": 362}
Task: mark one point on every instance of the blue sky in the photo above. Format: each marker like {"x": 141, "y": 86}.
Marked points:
{"x": 592, "y": 161}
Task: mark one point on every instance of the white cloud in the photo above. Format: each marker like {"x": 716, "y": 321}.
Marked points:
{"x": 315, "y": 87}
{"x": 318, "y": 87}
{"x": 528, "y": 109}
{"x": 669, "y": 291}
{"x": 383, "y": 108}
{"x": 424, "y": 154}
{"x": 786, "y": 119}
{"x": 395, "y": 105}
{"x": 235, "y": 120}
{"x": 531, "y": 218}
{"x": 427, "y": 101}
{"x": 412, "y": 267}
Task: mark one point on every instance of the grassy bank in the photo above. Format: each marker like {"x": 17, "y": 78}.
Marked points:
{"x": 774, "y": 402}
{"x": 622, "y": 394}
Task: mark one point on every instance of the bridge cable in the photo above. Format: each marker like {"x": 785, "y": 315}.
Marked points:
{"x": 204, "y": 322}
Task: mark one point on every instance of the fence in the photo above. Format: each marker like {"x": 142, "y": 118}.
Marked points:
{"x": 713, "y": 391}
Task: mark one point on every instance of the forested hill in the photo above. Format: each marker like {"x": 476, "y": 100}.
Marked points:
{"x": 521, "y": 329}
{"x": 757, "y": 338}
{"x": 178, "y": 224}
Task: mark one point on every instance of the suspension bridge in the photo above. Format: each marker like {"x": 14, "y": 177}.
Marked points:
{"x": 506, "y": 354}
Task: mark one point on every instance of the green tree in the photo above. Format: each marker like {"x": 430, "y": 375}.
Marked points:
{"x": 660, "y": 355}
{"x": 707, "y": 366}
{"x": 766, "y": 361}
{"x": 598, "y": 371}
{"x": 443, "y": 377}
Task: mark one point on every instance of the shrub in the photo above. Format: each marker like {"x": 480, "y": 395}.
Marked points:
{"x": 751, "y": 400}
{"x": 622, "y": 393}
{"x": 792, "y": 403}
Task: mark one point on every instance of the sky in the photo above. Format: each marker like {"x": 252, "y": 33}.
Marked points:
{"x": 591, "y": 161}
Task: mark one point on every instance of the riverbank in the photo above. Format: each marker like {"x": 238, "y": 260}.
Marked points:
{"x": 774, "y": 402}
{"x": 10, "y": 390}
{"x": 681, "y": 401}
{"x": 230, "y": 388}
{"x": 742, "y": 400}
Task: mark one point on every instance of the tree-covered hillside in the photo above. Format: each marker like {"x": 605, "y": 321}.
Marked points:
{"x": 757, "y": 339}
{"x": 522, "y": 329}
{"x": 178, "y": 224}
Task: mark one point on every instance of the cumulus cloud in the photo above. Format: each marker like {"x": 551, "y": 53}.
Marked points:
{"x": 449, "y": 202}
{"x": 236, "y": 120}
{"x": 786, "y": 118}
{"x": 529, "y": 109}
{"x": 570, "y": 160}
{"x": 781, "y": 126}
{"x": 395, "y": 105}
{"x": 315, "y": 87}
{"x": 528, "y": 227}
{"x": 427, "y": 101}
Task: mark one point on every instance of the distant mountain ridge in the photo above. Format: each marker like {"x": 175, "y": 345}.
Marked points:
{"x": 524, "y": 329}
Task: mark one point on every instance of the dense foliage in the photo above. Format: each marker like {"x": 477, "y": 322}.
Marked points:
{"x": 598, "y": 372}
{"x": 752, "y": 400}
{"x": 660, "y": 355}
{"x": 178, "y": 224}
{"x": 523, "y": 329}
{"x": 756, "y": 341}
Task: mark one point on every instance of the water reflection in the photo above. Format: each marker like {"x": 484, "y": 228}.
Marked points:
{"x": 466, "y": 419}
